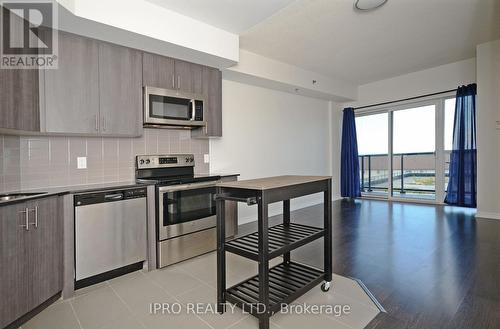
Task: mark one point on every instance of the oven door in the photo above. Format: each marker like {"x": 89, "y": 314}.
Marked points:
{"x": 171, "y": 107}
{"x": 185, "y": 209}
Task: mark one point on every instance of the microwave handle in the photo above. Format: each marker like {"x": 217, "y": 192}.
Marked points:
{"x": 193, "y": 109}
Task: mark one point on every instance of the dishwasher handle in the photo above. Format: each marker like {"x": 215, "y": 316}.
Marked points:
{"x": 113, "y": 197}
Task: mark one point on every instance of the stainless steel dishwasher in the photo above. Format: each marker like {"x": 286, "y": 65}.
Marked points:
{"x": 110, "y": 234}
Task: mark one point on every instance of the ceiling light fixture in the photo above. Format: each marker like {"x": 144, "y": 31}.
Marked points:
{"x": 366, "y": 5}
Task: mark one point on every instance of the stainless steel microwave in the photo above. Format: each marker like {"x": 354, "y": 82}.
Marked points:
{"x": 165, "y": 107}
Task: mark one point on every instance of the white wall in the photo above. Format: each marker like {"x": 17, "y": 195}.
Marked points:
{"x": 268, "y": 133}
{"x": 336, "y": 138}
{"x": 488, "y": 133}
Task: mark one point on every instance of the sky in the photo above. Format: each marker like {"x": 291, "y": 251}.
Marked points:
{"x": 414, "y": 130}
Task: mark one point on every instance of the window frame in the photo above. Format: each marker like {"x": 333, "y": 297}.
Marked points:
{"x": 440, "y": 166}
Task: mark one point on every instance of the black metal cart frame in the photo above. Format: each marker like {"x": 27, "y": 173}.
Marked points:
{"x": 264, "y": 294}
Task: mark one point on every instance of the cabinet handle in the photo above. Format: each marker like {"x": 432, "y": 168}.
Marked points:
{"x": 173, "y": 81}
{"x": 26, "y": 213}
{"x": 96, "y": 118}
{"x": 104, "y": 123}
{"x": 35, "y": 210}
{"x": 178, "y": 82}
{"x": 206, "y": 128}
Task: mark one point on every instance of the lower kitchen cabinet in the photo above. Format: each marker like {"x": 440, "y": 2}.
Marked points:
{"x": 31, "y": 257}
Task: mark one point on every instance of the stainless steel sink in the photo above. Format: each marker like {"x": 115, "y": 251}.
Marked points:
{"x": 14, "y": 196}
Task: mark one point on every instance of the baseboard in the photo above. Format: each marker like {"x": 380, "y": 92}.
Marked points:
{"x": 488, "y": 215}
{"x": 31, "y": 314}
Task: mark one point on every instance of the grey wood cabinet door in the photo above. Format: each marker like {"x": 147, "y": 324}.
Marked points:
{"x": 183, "y": 76}
{"x": 32, "y": 257}
{"x": 197, "y": 78}
{"x": 19, "y": 98}
{"x": 72, "y": 91}
{"x": 14, "y": 257}
{"x": 158, "y": 71}
{"x": 120, "y": 97}
{"x": 212, "y": 91}
{"x": 214, "y": 113}
{"x": 45, "y": 248}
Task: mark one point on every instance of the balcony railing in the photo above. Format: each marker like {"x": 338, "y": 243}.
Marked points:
{"x": 412, "y": 173}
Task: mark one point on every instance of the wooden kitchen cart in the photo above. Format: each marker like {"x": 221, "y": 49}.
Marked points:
{"x": 263, "y": 295}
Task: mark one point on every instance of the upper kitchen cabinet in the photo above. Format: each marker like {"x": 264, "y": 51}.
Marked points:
{"x": 71, "y": 92}
{"x": 120, "y": 86}
{"x": 158, "y": 71}
{"x": 19, "y": 93}
{"x": 169, "y": 73}
{"x": 19, "y": 99}
{"x": 96, "y": 90}
{"x": 197, "y": 75}
{"x": 188, "y": 77}
{"x": 212, "y": 91}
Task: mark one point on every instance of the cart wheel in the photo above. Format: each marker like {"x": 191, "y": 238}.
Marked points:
{"x": 325, "y": 286}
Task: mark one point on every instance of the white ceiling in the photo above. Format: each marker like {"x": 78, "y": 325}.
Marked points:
{"x": 231, "y": 15}
{"x": 329, "y": 37}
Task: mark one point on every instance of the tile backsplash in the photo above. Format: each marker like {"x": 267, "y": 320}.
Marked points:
{"x": 38, "y": 161}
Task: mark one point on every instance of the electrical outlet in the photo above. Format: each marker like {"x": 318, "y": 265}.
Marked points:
{"x": 81, "y": 162}
{"x": 206, "y": 158}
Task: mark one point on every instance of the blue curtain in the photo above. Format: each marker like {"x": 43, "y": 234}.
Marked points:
{"x": 461, "y": 190}
{"x": 349, "y": 162}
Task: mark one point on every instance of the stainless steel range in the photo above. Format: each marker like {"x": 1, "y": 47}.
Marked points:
{"x": 185, "y": 210}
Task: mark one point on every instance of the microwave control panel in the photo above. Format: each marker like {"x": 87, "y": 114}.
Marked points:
{"x": 198, "y": 110}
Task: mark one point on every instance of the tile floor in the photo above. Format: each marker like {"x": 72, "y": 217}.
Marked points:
{"x": 124, "y": 302}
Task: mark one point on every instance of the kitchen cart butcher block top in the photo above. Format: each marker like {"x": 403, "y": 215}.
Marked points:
{"x": 269, "y": 183}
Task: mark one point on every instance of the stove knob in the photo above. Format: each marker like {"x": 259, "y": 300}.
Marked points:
{"x": 147, "y": 161}
{"x": 187, "y": 160}
{"x": 141, "y": 161}
{"x": 192, "y": 159}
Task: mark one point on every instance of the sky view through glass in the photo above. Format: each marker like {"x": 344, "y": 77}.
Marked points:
{"x": 414, "y": 130}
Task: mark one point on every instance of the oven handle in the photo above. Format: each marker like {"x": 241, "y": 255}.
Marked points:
{"x": 184, "y": 187}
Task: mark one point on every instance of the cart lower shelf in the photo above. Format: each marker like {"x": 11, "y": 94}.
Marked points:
{"x": 287, "y": 282}
{"x": 281, "y": 239}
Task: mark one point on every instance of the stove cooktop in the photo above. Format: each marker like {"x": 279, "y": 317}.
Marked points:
{"x": 169, "y": 169}
{"x": 177, "y": 180}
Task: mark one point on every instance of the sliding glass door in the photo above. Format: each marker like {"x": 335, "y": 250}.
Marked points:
{"x": 449, "y": 116}
{"x": 413, "y": 152}
{"x": 372, "y": 135}
{"x": 404, "y": 150}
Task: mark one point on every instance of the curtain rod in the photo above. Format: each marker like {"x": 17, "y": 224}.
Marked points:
{"x": 406, "y": 99}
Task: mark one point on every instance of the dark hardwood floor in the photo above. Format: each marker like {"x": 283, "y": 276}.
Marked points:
{"x": 429, "y": 266}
